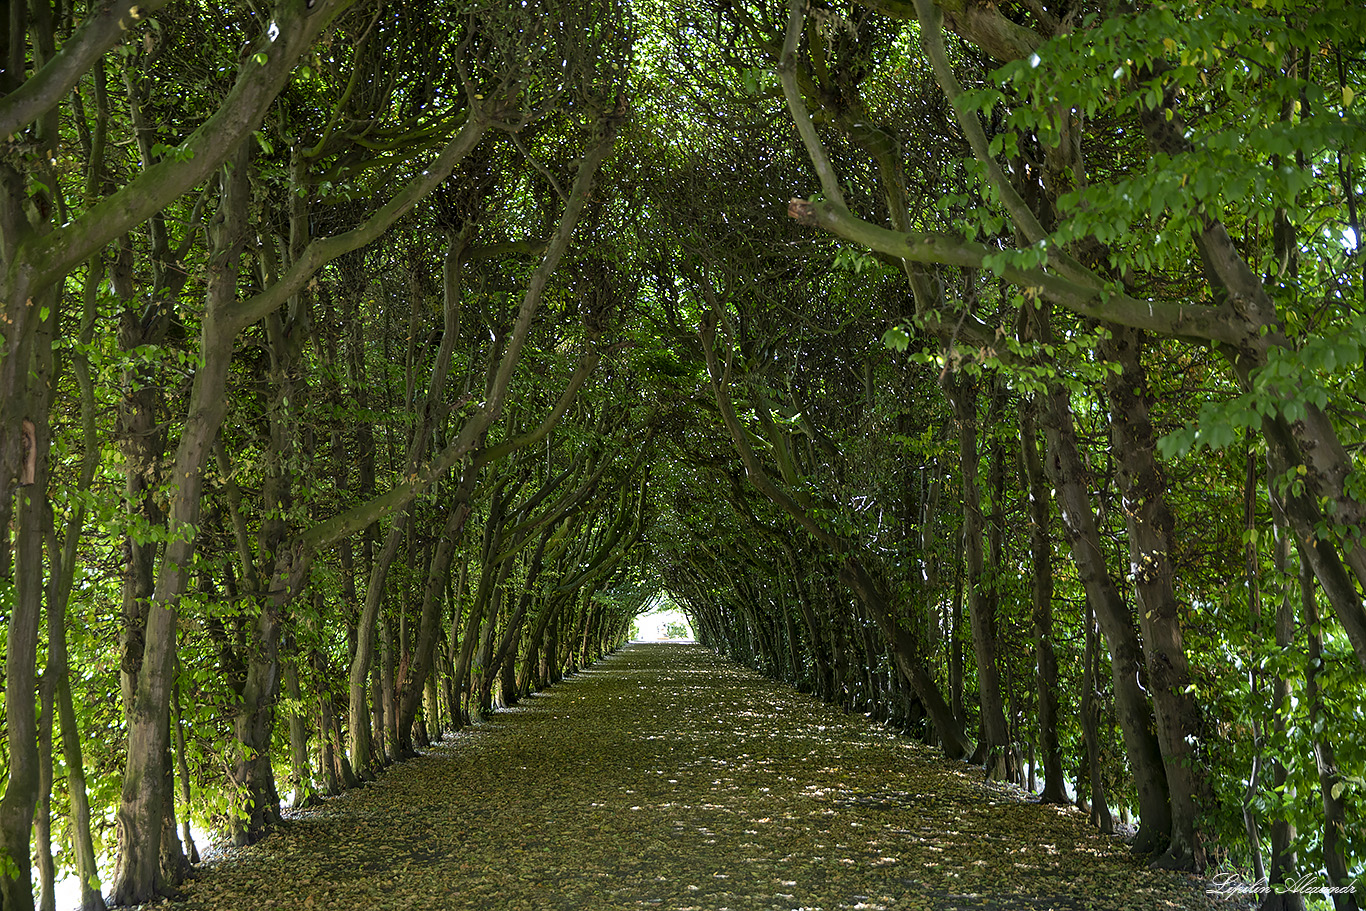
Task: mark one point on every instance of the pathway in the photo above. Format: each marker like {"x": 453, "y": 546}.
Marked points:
{"x": 665, "y": 777}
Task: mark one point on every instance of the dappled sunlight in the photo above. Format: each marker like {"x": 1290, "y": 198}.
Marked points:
{"x": 666, "y": 777}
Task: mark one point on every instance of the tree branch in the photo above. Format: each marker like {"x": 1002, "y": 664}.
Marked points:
{"x": 57, "y": 253}
{"x": 796, "y": 106}
{"x": 324, "y": 250}
{"x": 47, "y": 87}
{"x": 1199, "y": 323}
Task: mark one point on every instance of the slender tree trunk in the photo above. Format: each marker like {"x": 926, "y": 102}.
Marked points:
{"x": 21, "y": 716}
{"x": 482, "y": 670}
{"x": 1090, "y": 727}
{"x": 796, "y": 670}
{"x": 1283, "y": 854}
{"x": 1150, "y": 523}
{"x": 82, "y": 844}
{"x": 505, "y": 654}
{"x": 419, "y": 670}
{"x": 550, "y": 662}
{"x": 336, "y": 767}
{"x": 507, "y": 680}
{"x": 300, "y": 772}
{"x": 138, "y": 877}
{"x": 995, "y": 749}
{"x": 183, "y": 771}
{"x": 1126, "y": 655}
{"x": 1252, "y": 578}
{"x": 390, "y": 649}
{"x": 955, "y": 640}
{"x": 1041, "y": 577}
{"x": 1335, "y": 822}
{"x": 453, "y": 648}
{"x": 251, "y": 773}
{"x": 42, "y": 819}
{"x": 87, "y": 867}
{"x": 910, "y": 663}
{"x": 363, "y": 748}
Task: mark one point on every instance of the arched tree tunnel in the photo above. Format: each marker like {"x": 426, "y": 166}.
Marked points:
{"x": 989, "y": 370}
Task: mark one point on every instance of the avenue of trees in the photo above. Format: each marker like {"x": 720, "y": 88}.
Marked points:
{"x": 992, "y": 369}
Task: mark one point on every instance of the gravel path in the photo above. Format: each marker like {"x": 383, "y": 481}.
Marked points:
{"x": 665, "y": 777}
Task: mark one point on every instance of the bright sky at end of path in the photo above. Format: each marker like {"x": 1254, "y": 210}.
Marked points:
{"x": 657, "y": 625}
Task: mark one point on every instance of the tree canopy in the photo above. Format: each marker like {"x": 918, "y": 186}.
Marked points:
{"x": 995, "y": 369}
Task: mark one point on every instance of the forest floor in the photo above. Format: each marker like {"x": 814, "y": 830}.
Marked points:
{"x": 665, "y": 777}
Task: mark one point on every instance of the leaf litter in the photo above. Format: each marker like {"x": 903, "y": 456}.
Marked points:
{"x": 667, "y": 777}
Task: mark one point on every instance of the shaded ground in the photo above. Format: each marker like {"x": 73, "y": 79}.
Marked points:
{"x": 664, "y": 777}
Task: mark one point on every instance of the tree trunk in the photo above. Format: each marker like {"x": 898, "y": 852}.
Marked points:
{"x": 995, "y": 750}
{"x": 183, "y": 771}
{"x": 1283, "y": 854}
{"x": 1335, "y": 824}
{"x": 482, "y": 670}
{"x": 82, "y": 845}
{"x": 336, "y": 767}
{"x": 175, "y": 866}
{"x": 257, "y": 807}
{"x": 453, "y": 648}
{"x": 1090, "y": 727}
{"x": 87, "y": 867}
{"x": 363, "y": 747}
{"x": 955, "y": 640}
{"x": 505, "y": 655}
{"x": 1132, "y": 708}
{"x": 1149, "y": 522}
{"x": 429, "y": 627}
{"x": 390, "y": 650}
{"x": 908, "y": 659}
{"x": 300, "y": 772}
{"x": 138, "y": 877}
{"x": 550, "y": 662}
{"x": 42, "y": 818}
{"x": 1041, "y": 577}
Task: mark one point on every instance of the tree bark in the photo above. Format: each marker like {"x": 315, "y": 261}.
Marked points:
{"x": 429, "y": 630}
{"x": 995, "y": 750}
{"x": 1325, "y": 756}
{"x": 1150, "y": 524}
{"x": 183, "y": 771}
{"x": 1132, "y": 708}
{"x": 42, "y": 818}
{"x": 1090, "y": 727}
{"x": 908, "y": 660}
{"x": 138, "y": 877}
{"x": 1284, "y": 858}
{"x": 300, "y": 771}
{"x": 86, "y": 865}
{"x": 1041, "y": 579}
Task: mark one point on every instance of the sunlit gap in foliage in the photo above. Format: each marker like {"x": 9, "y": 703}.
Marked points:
{"x": 662, "y": 620}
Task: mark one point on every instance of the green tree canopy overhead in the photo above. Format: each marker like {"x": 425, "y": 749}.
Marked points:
{"x": 366, "y": 367}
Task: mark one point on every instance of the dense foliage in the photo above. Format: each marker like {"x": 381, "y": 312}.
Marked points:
{"x": 993, "y": 369}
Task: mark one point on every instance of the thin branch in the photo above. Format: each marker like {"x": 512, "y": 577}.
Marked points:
{"x": 540, "y": 168}
{"x": 932, "y": 41}
{"x": 796, "y": 106}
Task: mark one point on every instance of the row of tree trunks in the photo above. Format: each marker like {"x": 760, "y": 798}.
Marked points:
{"x": 1149, "y": 525}
{"x": 995, "y": 750}
{"x": 1128, "y": 672}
